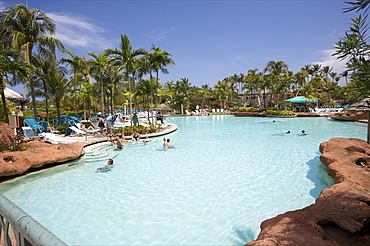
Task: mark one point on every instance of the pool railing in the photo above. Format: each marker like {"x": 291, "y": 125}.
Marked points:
{"x": 19, "y": 228}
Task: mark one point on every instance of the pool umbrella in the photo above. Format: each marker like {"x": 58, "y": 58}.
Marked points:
{"x": 363, "y": 105}
{"x": 163, "y": 107}
{"x": 9, "y": 93}
{"x": 301, "y": 99}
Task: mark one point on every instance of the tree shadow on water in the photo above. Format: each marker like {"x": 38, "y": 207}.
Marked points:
{"x": 318, "y": 175}
{"x": 243, "y": 235}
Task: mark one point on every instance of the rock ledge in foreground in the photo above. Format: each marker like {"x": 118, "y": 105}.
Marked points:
{"x": 37, "y": 154}
{"x": 341, "y": 214}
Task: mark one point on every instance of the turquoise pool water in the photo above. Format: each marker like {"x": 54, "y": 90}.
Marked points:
{"x": 224, "y": 177}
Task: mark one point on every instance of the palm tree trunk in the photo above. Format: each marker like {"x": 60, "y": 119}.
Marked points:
{"x": 3, "y": 100}
{"x": 33, "y": 95}
{"x": 46, "y": 99}
{"x": 101, "y": 97}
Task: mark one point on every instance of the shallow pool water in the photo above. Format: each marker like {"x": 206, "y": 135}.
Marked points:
{"x": 224, "y": 177}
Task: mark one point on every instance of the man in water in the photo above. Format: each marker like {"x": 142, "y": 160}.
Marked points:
{"x": 120, "y": 142}
{"x": 107, "y": 167}
{"x": 167, "y": 143}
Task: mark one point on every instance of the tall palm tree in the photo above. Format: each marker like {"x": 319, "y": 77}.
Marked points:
{"x": 345, "y": 75}
{"x": 326, "y": 70}
{"x": 57, "y": 86}
{"x": 99, "y": 65}
{"x": 10, "y": 63}
{"x": 26, "y": 29}
{"x": 76, "y": 63}
{"x": 160, "y": 60}
{"x": 276, "y": 67}
{"x": 43, "y": 67}
{"x": 127, "y": 58}
{"x": 222, "y": 91}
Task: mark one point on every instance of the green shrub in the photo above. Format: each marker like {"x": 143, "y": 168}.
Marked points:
{"x": 246, "y": 109}
{"x": 280, "y": 112}
{"x": 62, "y": 129}
{"x": 8, "y": 143}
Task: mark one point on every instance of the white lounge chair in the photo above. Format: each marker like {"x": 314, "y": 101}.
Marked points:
{"x": 79, "y": 132}
{"x": 29, "y": 133}
{"x": 54, "y": 138}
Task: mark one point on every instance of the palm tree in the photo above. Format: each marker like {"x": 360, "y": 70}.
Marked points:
{"x": 43, "y": 67}
{"x": 26, "y": 29}
{"x": 160, "y": 60}
{"x": 77, "y": 64}
{"x": 57, "y": 86}
{"x": 345, "y": 75}
{"x": 276, "y": 67}
{"x": 127, "y": 58}
{"x": 10, "y": 63}
{"x": 326, "y": 70}
{"x": 359, "y": 5}
{"x": 182, "y": 88}
{"x": 98, "y": 66}
{"x": 222, "y": 91}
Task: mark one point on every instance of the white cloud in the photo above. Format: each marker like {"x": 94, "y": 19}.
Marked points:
{"x": 76, "y": 31}
{"x": 328, "y": 60}
{"x": 160, "y": 35}
{"x": 2, "y": 5}
{"x": 237, "y": 58}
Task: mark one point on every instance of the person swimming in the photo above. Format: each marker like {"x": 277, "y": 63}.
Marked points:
{"x": 107, "y": 167}
{"x": 167, "y": 143}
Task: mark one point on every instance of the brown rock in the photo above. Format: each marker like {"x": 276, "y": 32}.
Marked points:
{"x": 36, "y": 155}
{"x": 256, "y": 113}
{"x": 349, "y": 116}
{"x": 306, "y": 114}
{"x": 341, "y": 214}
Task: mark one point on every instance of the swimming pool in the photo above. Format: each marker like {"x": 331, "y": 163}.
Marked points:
{"x": 224, "y": 177}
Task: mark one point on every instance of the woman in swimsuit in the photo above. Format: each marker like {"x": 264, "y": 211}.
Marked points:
{"x": 101, "y": 125}
{"x": 135, "y": 136}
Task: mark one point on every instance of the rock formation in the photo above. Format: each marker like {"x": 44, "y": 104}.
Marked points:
{"x": 341, "y": 214}
{"x": 37, "y": 153}
{"x": 349, "y": 116}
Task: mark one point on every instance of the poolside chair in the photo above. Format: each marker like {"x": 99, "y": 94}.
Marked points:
{"x": 79, "y": 132}
{"x": 29, "y": 133}
{"x": 31, "y": 122}
{"x": 76, "y": 131}
{"x": 54, "y": 138}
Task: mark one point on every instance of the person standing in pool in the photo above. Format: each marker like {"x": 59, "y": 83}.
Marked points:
{"x": 120, "y": 142}
{"x": 135, "y": 136}
{"x": 135, "y": 119}
{"x": 167, "y": 143}
{"x": 101, "y": 125}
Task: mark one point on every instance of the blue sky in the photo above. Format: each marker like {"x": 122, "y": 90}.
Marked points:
{"x": 209, "y": 40}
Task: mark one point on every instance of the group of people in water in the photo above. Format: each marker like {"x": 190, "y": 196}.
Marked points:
{"x": 120, "y": 141}
{"x": 303, "y": 132}
{"x": 135, "y": 137}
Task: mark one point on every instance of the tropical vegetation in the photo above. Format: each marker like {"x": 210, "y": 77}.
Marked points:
{"x": 129, "y": 78}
